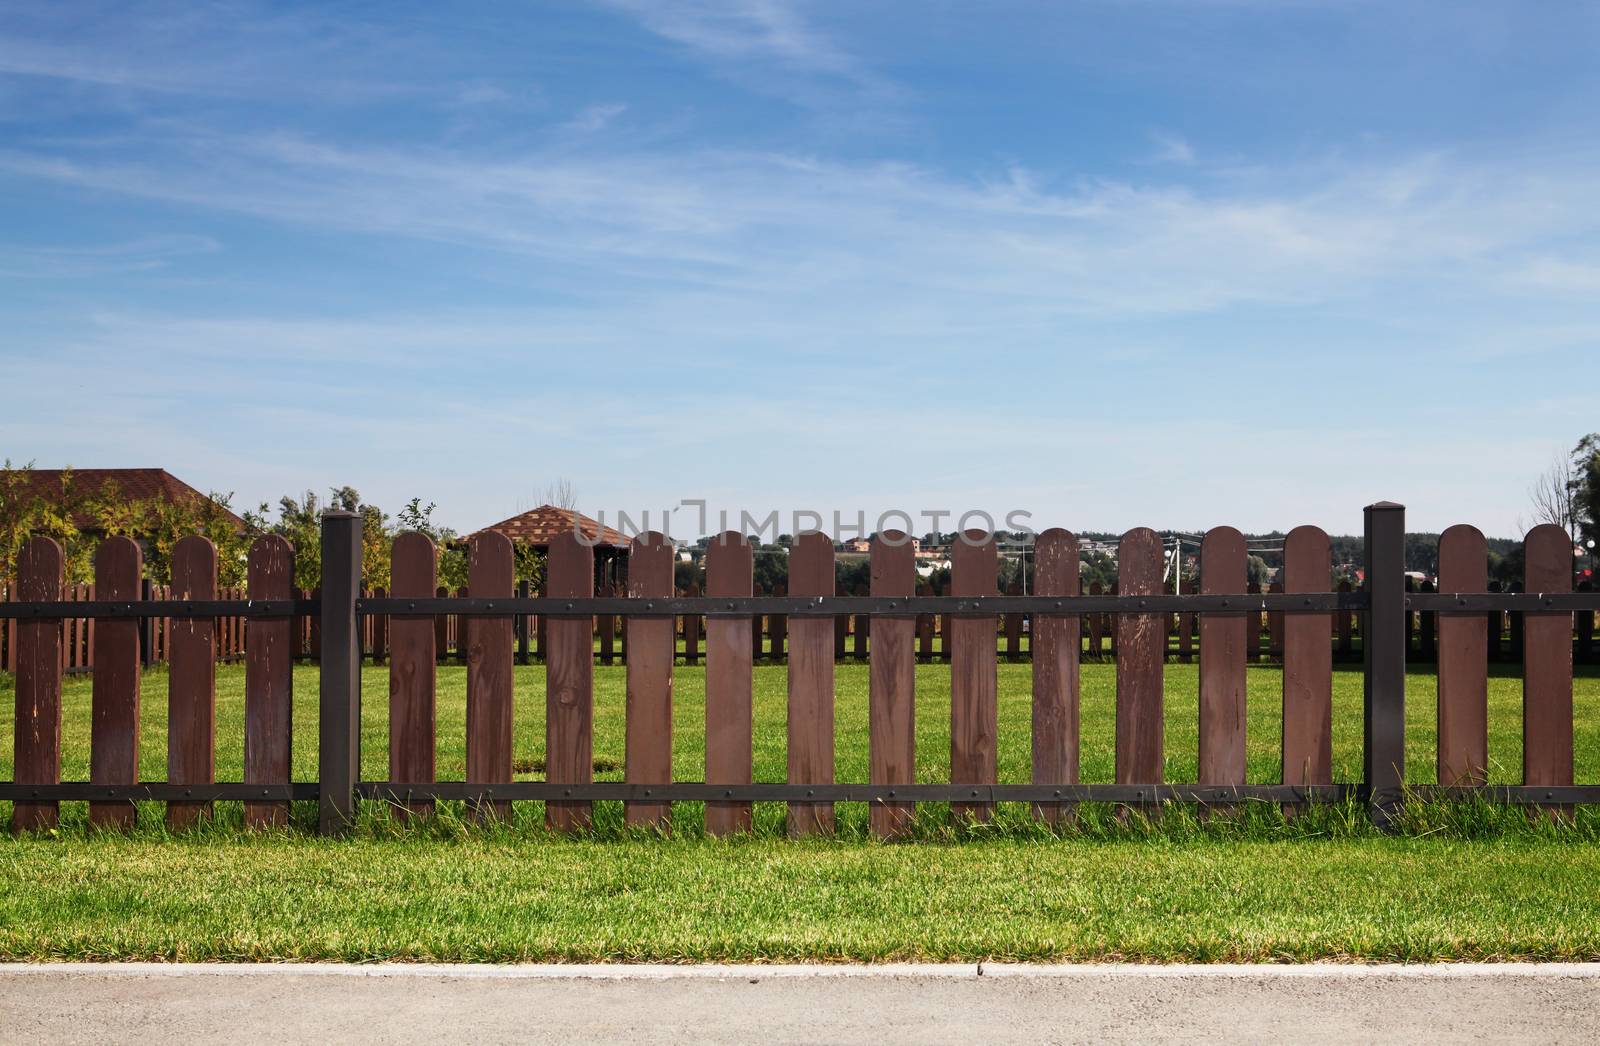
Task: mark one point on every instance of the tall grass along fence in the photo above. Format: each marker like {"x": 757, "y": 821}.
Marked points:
{"x": 1308, "y": 610}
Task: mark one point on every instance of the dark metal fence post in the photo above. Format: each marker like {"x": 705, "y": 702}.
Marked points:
{"x": 1384, "y": 656}
{"x": 339, "y": 729}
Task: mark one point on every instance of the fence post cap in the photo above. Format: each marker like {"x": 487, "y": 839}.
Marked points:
{"x": 1384, "y": 506}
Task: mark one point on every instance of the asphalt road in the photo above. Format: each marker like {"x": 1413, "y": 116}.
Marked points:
{"x": 955, "y": 1004}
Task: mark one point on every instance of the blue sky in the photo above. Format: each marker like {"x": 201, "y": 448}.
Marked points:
{"x": 1171, "y": 264}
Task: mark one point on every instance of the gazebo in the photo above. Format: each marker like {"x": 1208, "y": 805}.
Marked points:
{"x": 536, "y": 528}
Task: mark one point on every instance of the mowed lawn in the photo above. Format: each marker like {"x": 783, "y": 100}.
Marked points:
{"x": 1457, "y": 883}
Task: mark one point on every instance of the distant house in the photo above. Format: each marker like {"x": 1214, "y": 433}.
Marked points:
{"x": 865, "y": 545}
{"x": 60, "y": 487}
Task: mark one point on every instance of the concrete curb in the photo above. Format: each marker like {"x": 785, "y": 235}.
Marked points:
{"x": 949, "y": 971}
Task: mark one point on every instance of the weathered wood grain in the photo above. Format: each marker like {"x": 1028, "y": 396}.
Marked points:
{"x": 114, "y": 732}
{"x": 569, "y": 684}
{"x": 413, "y": 667}
{"x": 1463, "y": 710}
{"x": 491, "y": 574}
{"x": 191, "y": 680}
{"x": 974, "y": 711}
{"x": 891, "y": 702}
{"x": 1055, "y": 670}
{"x": 37, "y": 741}
{"x": 268, "y": 680}
{"x": 730, "y": 567}
{"x": 811, "y": 641}
{"x": 647, "y": 754}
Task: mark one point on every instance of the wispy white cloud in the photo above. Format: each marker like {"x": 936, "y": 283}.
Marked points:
{"x": 769, "y": 46}
{"x": 789, "y": 231}
{"x": 592, "y": 118}
{"x": 34, "y": 261}
{"x": 1172, "y": 148}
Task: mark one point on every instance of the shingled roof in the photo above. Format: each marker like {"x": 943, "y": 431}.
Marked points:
{"x": 130, "y": 484}
{"x": 540, "y": 525}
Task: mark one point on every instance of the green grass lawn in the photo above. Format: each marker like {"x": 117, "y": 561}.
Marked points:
{"x": 1457, "y": 883}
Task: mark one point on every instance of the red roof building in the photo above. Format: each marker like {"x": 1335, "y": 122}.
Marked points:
{"x": 129, "y": 484}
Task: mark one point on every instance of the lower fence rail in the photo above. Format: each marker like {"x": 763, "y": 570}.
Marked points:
{"x": 778, "y": 792}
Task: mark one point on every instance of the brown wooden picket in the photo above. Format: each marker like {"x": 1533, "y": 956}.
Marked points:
{"x": 37, "y": 726}
{"x": 1055, "y": 643}
{"x": 892, "y": 735}
{"x": 607, "y": 625}
{"x": 811, "y": 657}
{"x": 924, "y": 626}
{"x": 860, "y": 629}
{"x": 691, "y": 630}
{"x": 780, "y": 627}
{"x": 974, "y": 711}
{"x": 1547, "y": 664}
{"x": 569, "y": 684}
{"x": 268, "y": 681}
{"x": 1223, "y": 639}
{"x": 1013, "y": 627}
{"x": 1342, "y": 625}
{"x": 413, "y": 661}
{"x": 1140, "y": 648}
{"x": 730, "y": 568}
{"x": 490, "y": 575}
{"x": 1307, "y": 664}
{"x": 114, "y": 699}
{"x": 1096, "y": 622}
{"x": 380, "y": 630}
{"x": 191, "y": 681}
{"x": 1463, "y": 708}
{"x": 647, "y": 751}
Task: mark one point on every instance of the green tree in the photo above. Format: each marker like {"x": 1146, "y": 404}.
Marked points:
{"x": 1586, "y": 486}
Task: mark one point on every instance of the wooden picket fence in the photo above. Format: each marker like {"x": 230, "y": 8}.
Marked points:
{"x": 404, "y": 625}
{"x": 77, "y": 635}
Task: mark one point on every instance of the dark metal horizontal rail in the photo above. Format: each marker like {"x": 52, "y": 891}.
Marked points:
{"x": 178, "y": 608}
{"x": 808, "y": 606}
{"x": 1527, "y": 602}
{"x": 694, "y": 791}
{"x": 159, "y": 791}
{"x": 685, "y": 791}
{"x": 878, "y": 606}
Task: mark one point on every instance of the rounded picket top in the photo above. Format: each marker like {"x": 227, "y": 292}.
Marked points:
{"x": 651, "y": 559}
{"x": 40, "y": 566}
{"x": 1463, "y": 559}
{"x": 891, "y": 564}
{"x": 1055, "y": 563}
{"x": 1548, "y": 555}
{"x": 118, "y": 562}
{"x": 730, "y": 565}
{"x": 1223, "y": 560}
{"x": 1307, "y": 560}
{"x": 491, "y": 565}
{"x": 271, "y": 545}
{"x": 975, "y": 564}
{"x": 570, "y": 565}
{"x": 490, "y": 544}
{"x": 412, "y": 565}
{"x": 1139, "y": 562}
{"x": 194, "y": 568}
{"x": 811, "y": 565}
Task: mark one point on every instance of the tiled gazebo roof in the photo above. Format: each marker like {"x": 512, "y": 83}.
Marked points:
{"x": 539, "y": 526}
